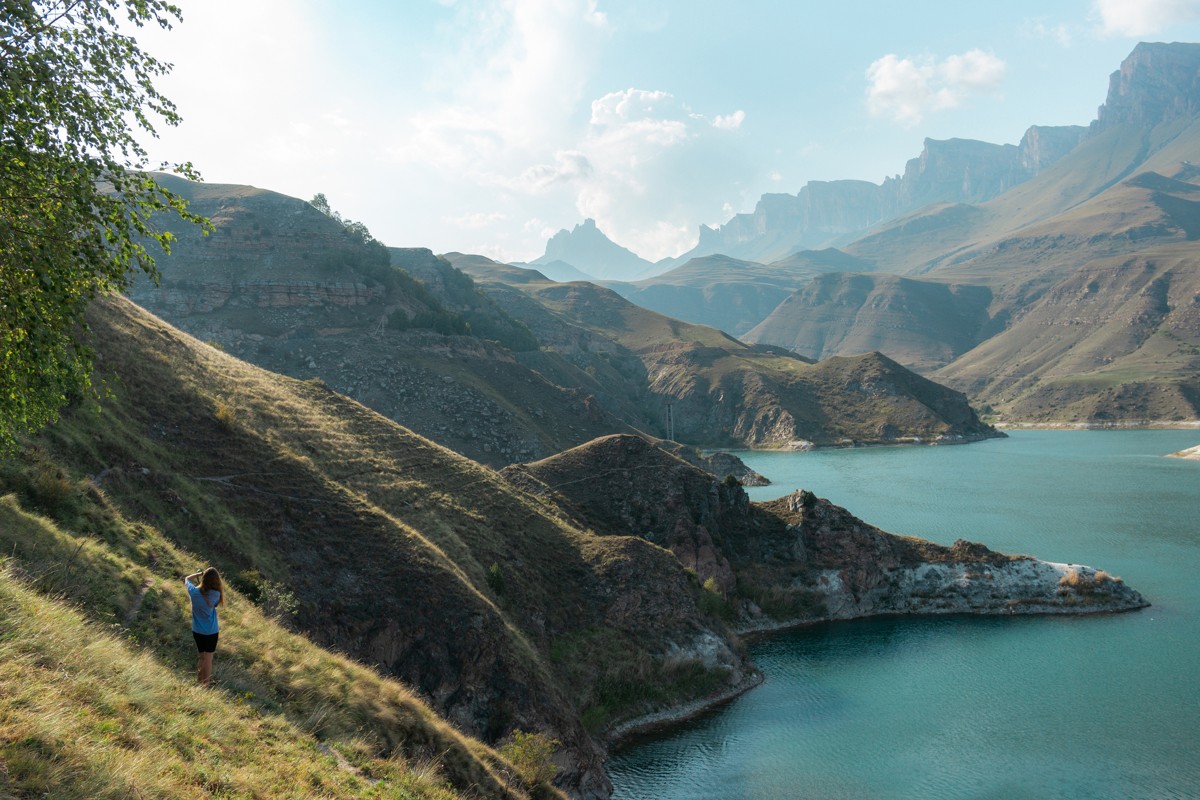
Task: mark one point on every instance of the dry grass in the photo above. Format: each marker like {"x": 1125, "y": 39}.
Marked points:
{"x": 1075, "y": 580}
{"x": 83, "y": 714}
{"x": 266, "y": 673}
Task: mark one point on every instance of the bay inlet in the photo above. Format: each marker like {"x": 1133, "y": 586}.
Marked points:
{"x": 1050, "y": 707}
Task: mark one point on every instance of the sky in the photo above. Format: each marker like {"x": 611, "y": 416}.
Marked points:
{"x": 485, "y": 127}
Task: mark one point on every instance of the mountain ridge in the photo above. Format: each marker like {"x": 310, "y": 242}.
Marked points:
{"x": 1088, "y": 267}
{"x": 494, "y": 376}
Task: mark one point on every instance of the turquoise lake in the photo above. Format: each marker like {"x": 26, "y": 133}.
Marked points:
{"x": 1104, "y": 706}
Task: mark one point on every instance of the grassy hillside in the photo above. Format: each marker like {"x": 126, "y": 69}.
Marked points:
{"x": 729, "y": 294}
{"x": 283, "y": 286}
{"x": 99, "y": 698}
{"x": 920, "y": 324}
{"x": 418, "y": 562}
{"x": 723, "y": 390}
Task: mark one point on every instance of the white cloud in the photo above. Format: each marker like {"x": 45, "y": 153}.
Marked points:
{"x": 569, "y": 165}
{"x": 656, "y": 167}
{"x": 730, "y": 122}
{"x": 1040, "y": 28}
{"x": 511, "y": 88}
{"x": 1135, "y": 18}
{"x": 477, "y": 220}
{"x": 630, "y": 105}
{"x": 596, "y": 18}
{"x": 907, "y": 90}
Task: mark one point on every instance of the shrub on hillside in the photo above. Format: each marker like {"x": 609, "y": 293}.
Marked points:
{"x": 531, "y": 754}
{"x": 273, "y": 599}
{"x": 495, "y": 578}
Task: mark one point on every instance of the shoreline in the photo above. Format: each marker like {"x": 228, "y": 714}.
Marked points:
{"x": 805, "y": 446}
{"x": 1118, "y": 425}
{"x": 1189, "y": 454}
{"x": 1001, "y": 427}
{"x": 624, "y": 733}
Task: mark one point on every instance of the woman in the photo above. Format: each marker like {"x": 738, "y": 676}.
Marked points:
{"x": 205, "y": 599}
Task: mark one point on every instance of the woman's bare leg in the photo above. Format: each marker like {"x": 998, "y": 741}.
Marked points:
{"x": 204, "y": 669}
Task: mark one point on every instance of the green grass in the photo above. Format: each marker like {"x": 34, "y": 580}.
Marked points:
{"x": 266, "y": 671}
{"x": 86, "y": 714}
{"x": 385, "y": 539}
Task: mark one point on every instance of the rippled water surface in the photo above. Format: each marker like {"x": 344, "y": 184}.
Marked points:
{"x": 1049, "y": 707}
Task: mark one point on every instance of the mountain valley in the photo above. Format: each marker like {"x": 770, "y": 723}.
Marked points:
{"x": 483, "y": 524}
{"x": 569, "y": 596}
{"x": 1063, "y": 288}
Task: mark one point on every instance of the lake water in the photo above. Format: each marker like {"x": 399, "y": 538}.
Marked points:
{"x": 1038, "y": 707}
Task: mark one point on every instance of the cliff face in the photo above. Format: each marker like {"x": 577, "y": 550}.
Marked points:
{"x": 1157, "y": 83}
{"x": 825, "y": 213}
{"x": 968, "y": 171}
{"x": 857, "y": 570}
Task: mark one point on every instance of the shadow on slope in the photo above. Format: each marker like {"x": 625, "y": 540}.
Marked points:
{"x": 389, "y": 543}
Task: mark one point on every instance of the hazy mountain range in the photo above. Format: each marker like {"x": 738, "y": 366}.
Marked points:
{"x": 1054, "y": 280}
{"x": 518, "y": 367}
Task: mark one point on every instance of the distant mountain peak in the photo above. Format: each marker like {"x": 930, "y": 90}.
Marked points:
{"x": 1156, "y": 83}
{"x": 586, "y": 248}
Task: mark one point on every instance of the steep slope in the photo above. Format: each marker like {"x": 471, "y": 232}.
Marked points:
{"x": 285, "y": 287}
{"x": 719, "y": 390}
{"x": 402, "y": 554}
{"x": 799, "y": 558}
{"x": 730, "y": 294}
{"x": 99, "y": 698}
{"x": 921, "y": 324}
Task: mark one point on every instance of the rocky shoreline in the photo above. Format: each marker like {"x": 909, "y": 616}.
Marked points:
{"x": 1192, "y": 453}
{"x": 1116, "y": 425}
{"x": 1016, "y": 586}
{"x": 624, "y": 733}
{"x": 805, "y": 446}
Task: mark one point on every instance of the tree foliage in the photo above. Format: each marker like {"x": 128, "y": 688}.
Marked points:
{"x": 358, "y": 230}
{"x": 75, "y": 203}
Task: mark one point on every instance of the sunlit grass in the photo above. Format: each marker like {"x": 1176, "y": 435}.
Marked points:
{"x": 83, "y": 714}
{"x": 63, "y": 672}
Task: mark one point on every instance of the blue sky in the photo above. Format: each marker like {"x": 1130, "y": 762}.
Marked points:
{"x": 486, "y": 126}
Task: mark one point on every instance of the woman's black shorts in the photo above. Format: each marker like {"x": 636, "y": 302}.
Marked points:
{"x": 205, "y": 642}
